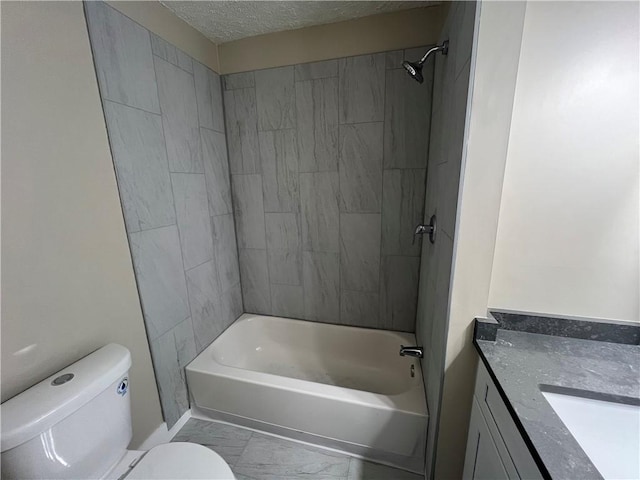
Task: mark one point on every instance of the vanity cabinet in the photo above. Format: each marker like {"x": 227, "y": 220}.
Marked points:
{"x": 495, "y": 448}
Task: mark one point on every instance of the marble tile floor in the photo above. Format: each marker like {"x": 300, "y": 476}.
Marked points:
{"x": 256, "y": 456}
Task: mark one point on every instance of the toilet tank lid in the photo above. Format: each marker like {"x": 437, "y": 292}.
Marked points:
{"x": 45, "y": 404}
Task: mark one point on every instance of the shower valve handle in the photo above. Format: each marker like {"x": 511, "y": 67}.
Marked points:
{"x": 428, "y": 229}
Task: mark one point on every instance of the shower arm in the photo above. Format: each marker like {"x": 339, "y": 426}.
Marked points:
{"x": 444, "y": 48}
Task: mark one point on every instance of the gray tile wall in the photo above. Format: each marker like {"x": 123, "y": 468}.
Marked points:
{"x": 328, "y": 164}
{"x": 164, "y": 116}
{"x": 451, "y": 82}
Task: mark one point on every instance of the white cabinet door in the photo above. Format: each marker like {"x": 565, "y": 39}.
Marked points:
{"x": 482, "y": 460}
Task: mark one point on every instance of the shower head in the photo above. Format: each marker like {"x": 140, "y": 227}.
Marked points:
{"x": 415, "y": 68}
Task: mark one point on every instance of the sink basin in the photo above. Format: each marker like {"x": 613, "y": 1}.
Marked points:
{"x": 607, "y": 431}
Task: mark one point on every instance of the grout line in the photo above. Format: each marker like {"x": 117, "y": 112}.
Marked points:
{"x": 199, "y": 265}
{"x": 381, "y": 290}
{"x": 187, "y": 173}
{"x": 211, "y": 129}
{"x": 154, "y": 228}
{"x": 230, "y": 180}
{"x": 362, "y": 123}
{"x": 171, "y": 63}
{"x": 135, "y": 108}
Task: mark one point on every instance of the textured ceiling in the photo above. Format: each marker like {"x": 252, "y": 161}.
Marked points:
{"x": 223, "y": 21}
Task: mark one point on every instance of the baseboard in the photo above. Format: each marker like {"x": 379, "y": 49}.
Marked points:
{"x": 163, "y": 435}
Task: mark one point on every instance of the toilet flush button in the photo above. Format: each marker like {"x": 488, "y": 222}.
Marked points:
{"x": 62, "y": 379}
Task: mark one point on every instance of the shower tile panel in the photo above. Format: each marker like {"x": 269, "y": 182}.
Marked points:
{"x": 275, "y": 94}
{"x": 202, "y": 77}
{"x": 160, "y": 276}
{"x": 360, "y": 309}
{"x": 171, "y": 54}
{"x": 225, "y": 250}
{"x": 427, "y": 291}
{"x": 321, "y": 280}
{"x": 284, "y": 250}
{"x": 285, "y": 266}
{"x": 255, "y": 281}
{"x": 403, "y": 209}
{"x": 231, "y": 305}
{"x": 209, "y": 95}
{"x": 249, "y": 210}
{"x": 448, "y": 173}
{"x": 438, "y": 145}
{"x": 194, "y": 225}
{"x": 361, "y": 167}
{"x": 177, "y": 94}
{"x": 204, "y": 290}
{"x": 185, "y": 342}
{"x": 317, "y": 120}
{"x": 319, "y": 195}
{"x": 399, "y": 292}
{"x": 315, "y": 70}
{"x": 239, "y": 80}
{"x": 242, "y": 130}
{"x": 394, "y": 59}
{"x": 139, "y": 155}
{"x": 360, "y": 252}
{"x": 465, "y": 18}
{"x": 283, "y": 231}
{"x": 407, "y": 103}
{"x": 362, "y": 88}
{"x": 217, "y": 105}
{"x": 216, "y": 172}
{"x": 123, "y": 58}
{"x": 287, "y": 300}
{"x": 170, "y": 377}
{"x": 280, "y": 183}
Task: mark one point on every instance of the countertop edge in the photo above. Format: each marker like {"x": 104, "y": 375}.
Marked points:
{"x": 514, "y": 415}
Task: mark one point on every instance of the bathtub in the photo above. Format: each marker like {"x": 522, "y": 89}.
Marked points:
{"x": 344, "y": 388}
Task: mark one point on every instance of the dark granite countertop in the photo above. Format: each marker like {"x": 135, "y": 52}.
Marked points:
{"x": 520, "y": 362}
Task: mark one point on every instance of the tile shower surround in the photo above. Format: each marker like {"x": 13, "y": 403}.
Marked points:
{"x": 163, "y": 112}
{"x": 328, "y": 163}
{"x": 326, "y": 191}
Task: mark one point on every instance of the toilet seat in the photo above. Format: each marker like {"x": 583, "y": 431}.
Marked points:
{"x": 181, "y": 460}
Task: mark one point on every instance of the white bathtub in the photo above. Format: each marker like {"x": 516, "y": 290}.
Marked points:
{"x": 342, "y": 387}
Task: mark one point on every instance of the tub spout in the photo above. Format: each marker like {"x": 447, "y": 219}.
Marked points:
{"x": 411, "y": 351}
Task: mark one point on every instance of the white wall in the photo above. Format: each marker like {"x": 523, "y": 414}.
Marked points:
{"x": 376, "y": 33}
{"x": 499, "y": 29}
{"x": 567, "y": 239}
{"x": 67, "y": 280}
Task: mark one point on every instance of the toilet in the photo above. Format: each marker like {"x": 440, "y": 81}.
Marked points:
{"x": 77, "y": 424}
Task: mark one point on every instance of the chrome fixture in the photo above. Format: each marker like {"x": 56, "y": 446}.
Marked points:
{"x": 428, "y": 229}
{"x": 411, "y": 351}
{"x": 415, "y": 68}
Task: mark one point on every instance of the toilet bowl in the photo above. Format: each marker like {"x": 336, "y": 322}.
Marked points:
{"x": 77, "y": 424}
{"x": 180, "y": 460}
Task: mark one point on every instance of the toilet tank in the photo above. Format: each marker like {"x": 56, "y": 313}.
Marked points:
{"x": 75, "y": 424}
